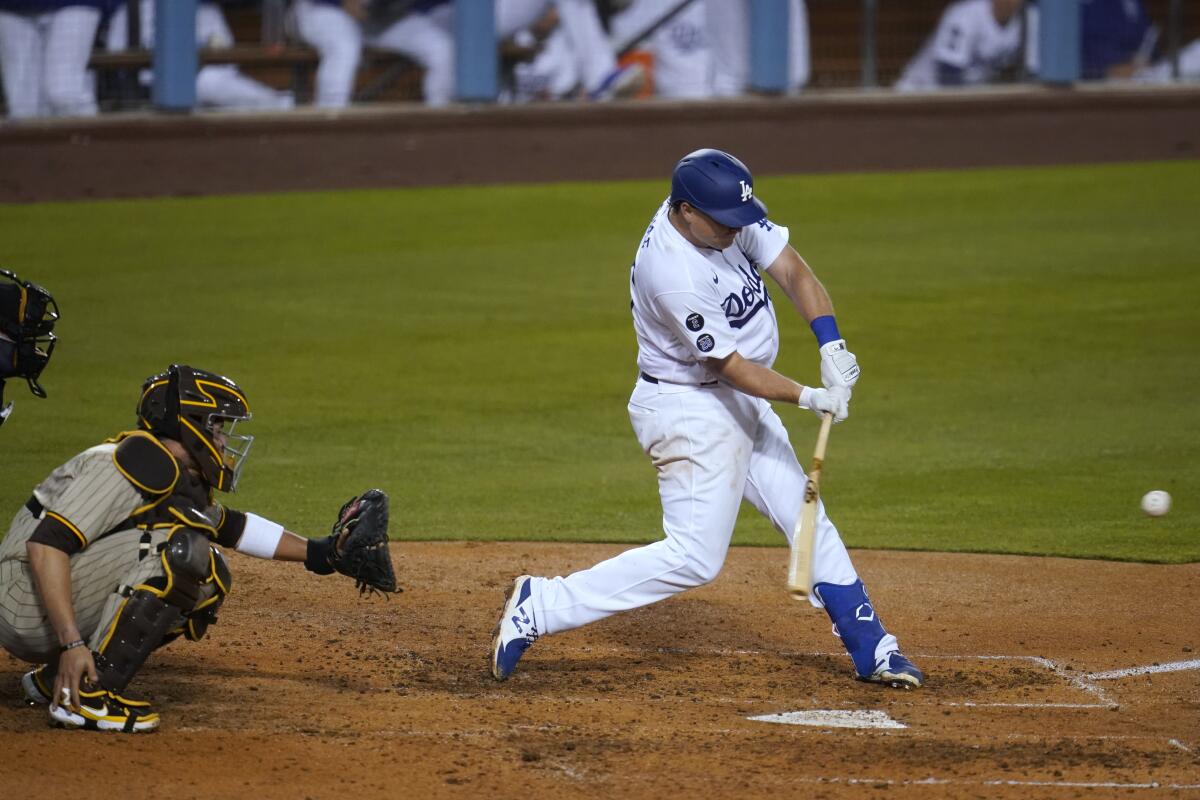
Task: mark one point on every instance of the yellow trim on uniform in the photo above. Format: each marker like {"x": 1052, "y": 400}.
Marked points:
{"x": 200, "y": 384}
{"x": 112, "y": 626}
{"x": 82, "y": 539}
{"x": 216, "y": 456}
{"x": 131, "y": 479}
{"x": 21, "y": 305}
{"x": 211, "y": 532}
{"x": 215, "y": 575}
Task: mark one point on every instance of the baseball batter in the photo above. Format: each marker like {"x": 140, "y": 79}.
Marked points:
{"x": 113, "y": 555}
{"x": 707, "y": 336}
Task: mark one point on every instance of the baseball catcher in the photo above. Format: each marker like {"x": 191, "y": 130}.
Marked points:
{"x": 27, "y": 317}
{"x": 119, "y": 550}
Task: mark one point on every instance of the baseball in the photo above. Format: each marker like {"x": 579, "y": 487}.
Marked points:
{"x": 1156, "y": 503}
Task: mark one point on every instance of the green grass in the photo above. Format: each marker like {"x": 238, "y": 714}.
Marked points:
{"x": 1030, "y": 341}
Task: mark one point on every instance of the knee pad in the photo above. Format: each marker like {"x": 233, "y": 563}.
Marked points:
{"x": 854, "y": 621}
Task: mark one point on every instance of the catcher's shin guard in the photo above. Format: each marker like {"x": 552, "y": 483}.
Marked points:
{"x": 856, "y": 623}
{"x": 183, "y": 601}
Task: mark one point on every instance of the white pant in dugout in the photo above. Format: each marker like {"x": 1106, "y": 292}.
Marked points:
{"x": 712, "y": 447}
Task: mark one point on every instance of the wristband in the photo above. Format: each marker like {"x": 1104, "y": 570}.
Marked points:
{"x": 316, "y": 560}
{"x": 825, "y": 329}
{"x": 260, "y": 538}
{"x": 72, "y": 645}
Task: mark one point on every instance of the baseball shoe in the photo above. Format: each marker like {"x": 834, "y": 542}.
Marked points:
{"x": 100, "y": 710}
{"x": 516, "y": 630}
{"x": 898, "y": 672}
{"x": 34, "y": 687}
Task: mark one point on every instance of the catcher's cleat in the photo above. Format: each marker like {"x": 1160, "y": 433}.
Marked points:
{"x": 33, "y": 686}
{"x": 516, "y": 630}
{"x": 898, "y": 672}
{"x": 100, "y": 710}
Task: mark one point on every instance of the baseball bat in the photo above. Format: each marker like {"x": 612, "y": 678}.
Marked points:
{"x": 799, "y": 581}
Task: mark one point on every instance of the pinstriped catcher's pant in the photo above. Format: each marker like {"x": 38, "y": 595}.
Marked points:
{"x": 96, "y": 574}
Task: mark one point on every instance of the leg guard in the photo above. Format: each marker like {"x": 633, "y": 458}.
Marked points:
{"x": 855, "y": 621}
{"x": 139, "y": 627}
{"x": 183, "y": 601}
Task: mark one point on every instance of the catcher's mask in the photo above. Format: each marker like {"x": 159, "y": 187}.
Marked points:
{"x": 200, "y": 410}
{"x": 27, "y": 317}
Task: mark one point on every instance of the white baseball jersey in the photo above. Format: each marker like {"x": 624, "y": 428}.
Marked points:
{"x": 968, "y": 38}
{"x": 691, "y": 304}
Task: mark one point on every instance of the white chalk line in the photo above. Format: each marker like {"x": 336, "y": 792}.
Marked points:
{"x": 1174, "y": 666}
{"x": 998, "y": 782}
{"x": 1179, "y": 744}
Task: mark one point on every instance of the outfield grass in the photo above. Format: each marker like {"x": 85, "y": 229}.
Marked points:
{"x": 1030, "y": 344}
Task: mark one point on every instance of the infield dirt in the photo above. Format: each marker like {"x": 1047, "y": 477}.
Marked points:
{"x": 304, "y": 690}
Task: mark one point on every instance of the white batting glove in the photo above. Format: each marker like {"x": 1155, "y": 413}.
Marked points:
{"x": 839, "y": 367}
{"x": 821, "y": 401}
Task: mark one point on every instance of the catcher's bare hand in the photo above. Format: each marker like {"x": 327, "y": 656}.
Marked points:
{"x": 74, "y": 666}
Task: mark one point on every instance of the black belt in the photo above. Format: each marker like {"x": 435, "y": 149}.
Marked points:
{"x": 34, "y": 506}
{"x": 652, "y": 379}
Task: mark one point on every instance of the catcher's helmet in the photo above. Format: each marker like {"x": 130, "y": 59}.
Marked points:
{"x": 193, "y": 407}
{"x": 719, "y": 185}
{"x": 27, "y": 317}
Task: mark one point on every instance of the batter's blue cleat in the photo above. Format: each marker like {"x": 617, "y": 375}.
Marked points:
{"x": 898, "y": 672}
{"x": 516, "y": 630}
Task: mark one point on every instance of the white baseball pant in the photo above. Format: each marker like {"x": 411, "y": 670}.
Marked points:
{"x": 712, "y": 447}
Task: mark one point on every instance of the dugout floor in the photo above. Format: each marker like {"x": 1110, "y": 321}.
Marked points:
{"x": 1047, "y": 678}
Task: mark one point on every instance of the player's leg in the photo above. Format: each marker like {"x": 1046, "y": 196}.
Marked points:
{"x": 21, "y": 63}
{"x": 224, "y": 85}
{"x": 337, "y": 36}
{"x": 799, "y": 53}
{"x": 420, "y": 38}
{"x": 24, "y": 630}
{"x": 68, "y": 86}
{"x": 775, "y": 486}
{"x": 701, "y": 454}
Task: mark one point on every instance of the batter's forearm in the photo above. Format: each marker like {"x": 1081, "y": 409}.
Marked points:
{"x": 755, "y": 379}
{"x": 51, "y": 570}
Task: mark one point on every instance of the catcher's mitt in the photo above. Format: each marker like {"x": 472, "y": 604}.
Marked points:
{"x": 359, "y": 543}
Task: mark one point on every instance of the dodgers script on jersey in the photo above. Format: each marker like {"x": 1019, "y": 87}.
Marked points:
{"x": 691, "y": 304}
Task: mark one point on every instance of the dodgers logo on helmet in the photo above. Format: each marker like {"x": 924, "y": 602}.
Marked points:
{"x": 719, "y": 185}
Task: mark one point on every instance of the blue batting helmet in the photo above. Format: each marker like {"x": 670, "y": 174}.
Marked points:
{"x": 720, "y": 186}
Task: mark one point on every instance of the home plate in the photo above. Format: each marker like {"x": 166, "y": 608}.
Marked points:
{"x": 833, "y": 719}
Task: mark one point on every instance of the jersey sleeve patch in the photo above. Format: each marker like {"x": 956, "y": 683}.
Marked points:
{"x": 146, "y": 463}
{"x": 694, "y": 322}
{"x": 58, "y": 532}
